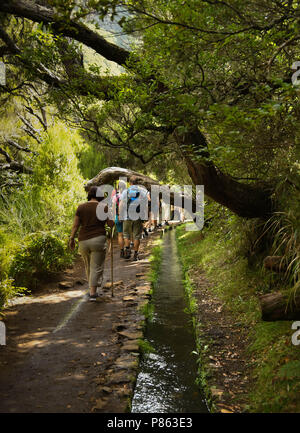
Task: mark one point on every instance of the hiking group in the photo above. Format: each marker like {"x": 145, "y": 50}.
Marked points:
{"x": 92, "y": 230}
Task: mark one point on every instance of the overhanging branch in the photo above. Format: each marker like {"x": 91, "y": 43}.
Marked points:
{"x": 72, "y": 29}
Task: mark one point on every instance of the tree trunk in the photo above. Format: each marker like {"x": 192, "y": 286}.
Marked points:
{"x": 109, "y": 175}
{"x": 245, "y": 200}
{"x": 276, "y": 306}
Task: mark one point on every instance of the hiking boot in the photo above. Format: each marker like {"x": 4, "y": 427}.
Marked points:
{"x": 122, "y": 253}
{"x": 93, "y": 297}
{"x": 136, "y": 256}
{"x": 127, "y": 253}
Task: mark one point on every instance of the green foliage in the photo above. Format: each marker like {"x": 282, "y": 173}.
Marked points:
{"x": 291, "y": 370}
{"x": 8, "y": 289}
{"x": 40, "y": 255}
{"x": 36, "y": 217}
{"x": 56, "y": 162}
{"x": 223, "y": 68}
{"x": 146, "y": 347}
{"x": 91, "y": 162}
{"x": 285, "y": 230}
{"x": 155, "y": 261}
{"x": 217, "y": 78}
{"x": 276, "y": 368}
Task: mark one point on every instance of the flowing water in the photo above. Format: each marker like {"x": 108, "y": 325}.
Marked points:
{"x": 166, "y": 380}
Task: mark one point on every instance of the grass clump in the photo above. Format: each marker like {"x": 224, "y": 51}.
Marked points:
{"x": 155, "y": 261}
{"x": 145, "y": 346}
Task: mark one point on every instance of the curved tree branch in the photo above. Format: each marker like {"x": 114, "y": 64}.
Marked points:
{"x": 14, "y": 144}
{"x": 110, "y": 174}
{"x": 245, "y": 200}
{"x": 72, "y": 29}
{"x": 13, "y": 165}
{"x": 84, "y": 83}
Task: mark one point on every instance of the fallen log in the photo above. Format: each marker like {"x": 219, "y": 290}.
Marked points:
{"x": 278, "y": 306}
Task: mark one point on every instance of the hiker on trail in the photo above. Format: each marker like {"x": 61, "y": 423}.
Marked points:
{"x": 92, "y": 239}
{"x": 154, "y": 215}
{"x": 147, "y": 224}
{"x": 133, "y": 227}
{"x": 153, "y": 223}
{"x": 116, "y": 196}
{"x": 145, "y": 228}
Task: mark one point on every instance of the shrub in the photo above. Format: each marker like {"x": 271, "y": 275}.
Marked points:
{"x": 41, "y": 254}
{"x": 7, "y": 290}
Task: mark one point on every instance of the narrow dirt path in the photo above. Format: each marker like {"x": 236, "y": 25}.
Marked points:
{"x": 226, "y": 361}
{"x": 65, "y": 354}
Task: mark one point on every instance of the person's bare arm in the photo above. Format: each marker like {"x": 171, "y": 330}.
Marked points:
{"x": 121, "y": 207}
{"x": 75, "y": 227}
{"x": 114, "y": 209}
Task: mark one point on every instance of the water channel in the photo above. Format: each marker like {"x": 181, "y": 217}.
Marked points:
{"x": 166, "y": 379}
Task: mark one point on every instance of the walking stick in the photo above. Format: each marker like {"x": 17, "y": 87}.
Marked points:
{"x": 112, "y": 261}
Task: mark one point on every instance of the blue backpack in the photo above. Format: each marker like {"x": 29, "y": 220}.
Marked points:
{"x": 132, "y": 195}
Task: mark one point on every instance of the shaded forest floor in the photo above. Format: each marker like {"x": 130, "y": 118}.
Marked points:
{"x": 224, "y": 344}
{"x": 65, "y": 354}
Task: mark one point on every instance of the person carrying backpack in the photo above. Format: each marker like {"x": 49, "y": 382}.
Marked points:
{"x": 92, "y": 239}
{"x": 116, "y": 196}
{"x": 133, "y": 227}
